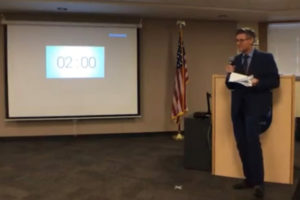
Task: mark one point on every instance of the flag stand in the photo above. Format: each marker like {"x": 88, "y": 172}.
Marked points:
{"x": 179, "y": 106}
{"x": 178, "y": 136}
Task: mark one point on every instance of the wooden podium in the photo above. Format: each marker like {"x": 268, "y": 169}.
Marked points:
{"x": 277, "y": 142}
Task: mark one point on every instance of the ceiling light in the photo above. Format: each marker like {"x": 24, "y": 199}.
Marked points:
{"x": 222, "y": 16}
{"x": 62, "y": 9}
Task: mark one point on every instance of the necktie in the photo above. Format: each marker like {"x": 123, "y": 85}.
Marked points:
{"x": 245, "y": 63}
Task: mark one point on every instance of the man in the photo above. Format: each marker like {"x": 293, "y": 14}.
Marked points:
{"x": 249, "y": 104}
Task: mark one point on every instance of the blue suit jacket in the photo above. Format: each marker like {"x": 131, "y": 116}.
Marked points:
{"x": 257, "y": 99}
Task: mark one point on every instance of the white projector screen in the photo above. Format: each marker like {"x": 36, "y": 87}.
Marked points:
{"x": 284, "y": 43}
{"x": 71, "y": 71}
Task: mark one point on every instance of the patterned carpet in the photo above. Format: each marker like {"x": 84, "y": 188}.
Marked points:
{"x": 131, "y": 167}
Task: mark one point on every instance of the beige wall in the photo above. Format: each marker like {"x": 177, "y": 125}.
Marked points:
{"x": 208, "y": 46}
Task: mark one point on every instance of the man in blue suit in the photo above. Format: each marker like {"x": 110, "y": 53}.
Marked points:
{"x": 249, "y": 104}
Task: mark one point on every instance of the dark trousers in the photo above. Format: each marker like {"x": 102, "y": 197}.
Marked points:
{"x": 246, "y": 131}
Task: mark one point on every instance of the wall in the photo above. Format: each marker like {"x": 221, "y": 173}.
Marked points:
{"x": 208, "y": 46}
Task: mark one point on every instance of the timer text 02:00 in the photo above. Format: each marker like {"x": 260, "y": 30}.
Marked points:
{"x": 84, "y": 62}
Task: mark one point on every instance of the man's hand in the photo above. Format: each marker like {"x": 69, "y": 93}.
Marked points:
{"x": 254, "y": 81}
{"x": 229, "y": 68}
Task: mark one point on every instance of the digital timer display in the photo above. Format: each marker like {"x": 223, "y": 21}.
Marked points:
{"x": 75, "y": 62}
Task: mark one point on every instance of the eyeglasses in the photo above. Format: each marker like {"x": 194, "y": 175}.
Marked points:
{"x": 241, "y": 40}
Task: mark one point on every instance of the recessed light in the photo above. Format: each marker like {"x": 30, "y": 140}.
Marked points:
{"x": 222, "y": 16}
{"x": 62, "y": 9}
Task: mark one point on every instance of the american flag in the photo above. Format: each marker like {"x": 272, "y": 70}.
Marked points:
{"x": 179, "y": 105}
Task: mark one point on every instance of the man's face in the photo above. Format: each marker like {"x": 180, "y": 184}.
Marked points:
{"x": 244, "y": 43}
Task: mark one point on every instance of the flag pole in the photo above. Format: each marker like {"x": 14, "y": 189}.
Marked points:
{"x": 179, "y": 136}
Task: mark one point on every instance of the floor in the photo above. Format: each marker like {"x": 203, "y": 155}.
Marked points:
{"x": 114, "y": 167}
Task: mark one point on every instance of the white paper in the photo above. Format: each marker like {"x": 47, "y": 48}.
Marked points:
{"x": 241, "y": 79}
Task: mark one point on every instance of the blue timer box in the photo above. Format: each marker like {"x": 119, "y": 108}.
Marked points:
{"x": 75, "y": 62}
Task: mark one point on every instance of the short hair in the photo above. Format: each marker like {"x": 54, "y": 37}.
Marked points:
{"x": 248, "y": 31}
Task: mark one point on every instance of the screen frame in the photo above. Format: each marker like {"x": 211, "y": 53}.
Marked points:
{"x": 71, "y": 117}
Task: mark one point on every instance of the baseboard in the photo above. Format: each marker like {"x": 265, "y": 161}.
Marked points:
{"x": 103, "y": 135}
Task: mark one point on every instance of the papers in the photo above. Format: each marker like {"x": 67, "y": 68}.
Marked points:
{"x": 241, "y": 79}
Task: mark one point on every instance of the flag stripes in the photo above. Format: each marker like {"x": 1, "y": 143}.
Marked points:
{"x": 179, "y": 104}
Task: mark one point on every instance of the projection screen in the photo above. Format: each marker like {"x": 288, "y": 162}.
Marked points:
{"x": 59, "y": 70}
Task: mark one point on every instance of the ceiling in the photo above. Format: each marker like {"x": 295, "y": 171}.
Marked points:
{"x": 237, "y": 10}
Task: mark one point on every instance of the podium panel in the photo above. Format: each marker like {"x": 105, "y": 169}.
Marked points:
{"x": 277, "y": 142}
